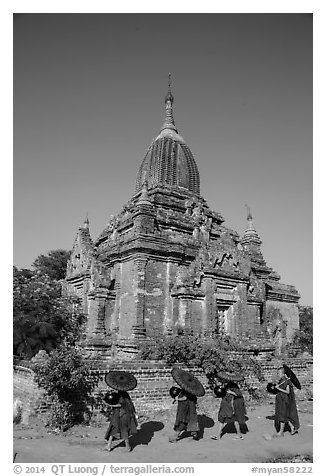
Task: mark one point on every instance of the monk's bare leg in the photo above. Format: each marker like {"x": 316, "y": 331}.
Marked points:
{"x": 127, "y": 443}
{"x": 219, "y": 435}
{"x": 281, "y": 430}
{"x": 237, "y": 427}
{"x": 109, "y": 445}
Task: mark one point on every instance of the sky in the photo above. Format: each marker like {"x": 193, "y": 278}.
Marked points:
{"x": 88, "y": 98}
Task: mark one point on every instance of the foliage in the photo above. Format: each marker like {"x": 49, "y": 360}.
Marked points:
{"x": 208, "y": 353}
{"x": 61, "y": 415}
{"x": 54, "y": 264}
{"x": 304, "y": 336}
{"x": 69, "y": 383}
{"x": 42, "y": 317}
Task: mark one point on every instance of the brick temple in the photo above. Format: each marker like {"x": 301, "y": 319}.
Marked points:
{"x": 167, "y": 263}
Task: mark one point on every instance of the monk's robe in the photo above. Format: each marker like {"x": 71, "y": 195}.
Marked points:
{"x": 186, "y": 418}
{"x": 123, "y": 419}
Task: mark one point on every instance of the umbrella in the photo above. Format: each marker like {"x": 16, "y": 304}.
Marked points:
{"x": 289, "y": 373}
{"x": 120, "y": 380}
{"x": 188, "y": 382}
{"x": 228, "y": 377}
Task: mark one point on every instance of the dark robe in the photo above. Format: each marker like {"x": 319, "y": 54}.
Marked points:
{"x": 186, "y": 418}
{"x": 239, "y": 406}
{"x": 285, "y": 405}
{"x": 226, "y": 411}
{"x": 123, "y": 419}
{"x": 293, "y": 411}
{"x": 282, "y": 403}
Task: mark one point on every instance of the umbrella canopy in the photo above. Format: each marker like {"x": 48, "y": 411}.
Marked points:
{"x": 289, "y": 373}
{"x": 120, "y": 380}
{"x": 228, "y": 377}
{"x": 188, "y": 382}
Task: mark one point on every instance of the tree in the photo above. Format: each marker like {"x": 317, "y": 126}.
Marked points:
{"x": 54, "y": 264}
{"x": 43, "y": 318}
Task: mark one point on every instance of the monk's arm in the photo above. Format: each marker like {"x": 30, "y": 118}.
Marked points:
{"x": 286, "y": 390}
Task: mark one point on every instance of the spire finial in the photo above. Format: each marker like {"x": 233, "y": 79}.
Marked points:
{"x": 169, "y": 121}
{"x": 169, "y": 97}
{"x": 86, "y": 221}
{"x": 249, "y": 215}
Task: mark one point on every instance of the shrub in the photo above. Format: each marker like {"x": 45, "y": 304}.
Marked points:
{"x": 69, "y": 383}
{"x": 61, "y": 415}
{"x": 208, "y": 353}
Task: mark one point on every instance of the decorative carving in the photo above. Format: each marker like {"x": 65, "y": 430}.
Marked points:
{"x": 100, "y": 276}
{"x": 127, "y": 208}
{"x": 190, "y": 277}
{"x": 189, "y": 205}
{"x": 203, "y": 222}
{"x": 276, "y": 328}
{"x": 255, "y": 287}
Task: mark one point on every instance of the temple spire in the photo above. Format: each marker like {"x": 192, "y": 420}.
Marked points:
{"x": 250, "y": 235}
{"x": 169, "y": 99}
{"x": 86, "y": 223}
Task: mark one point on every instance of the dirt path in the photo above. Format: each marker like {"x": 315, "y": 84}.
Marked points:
{"x": 85, "y": 444}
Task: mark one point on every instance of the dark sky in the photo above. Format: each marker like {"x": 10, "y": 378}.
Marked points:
{"x": 88, "y": 100}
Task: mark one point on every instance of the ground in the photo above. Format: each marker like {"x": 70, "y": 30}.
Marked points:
{"x": 34, "y": 443}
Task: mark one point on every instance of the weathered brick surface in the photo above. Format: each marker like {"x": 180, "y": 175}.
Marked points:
{"x": 154, "y": 381}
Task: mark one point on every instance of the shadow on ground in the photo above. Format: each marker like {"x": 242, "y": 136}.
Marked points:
{"x": 204, "y": 422}
{"x": 230, "y": 428}
{"x": 146, "y": 433}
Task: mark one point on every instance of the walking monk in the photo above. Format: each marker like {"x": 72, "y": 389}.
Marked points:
{"x": 123, "y": 420}
{"x": 285, "y": 405}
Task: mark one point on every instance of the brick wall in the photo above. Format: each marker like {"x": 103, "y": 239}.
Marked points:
{"x": 154, "y": 381}
{"x": 25, "y": 388}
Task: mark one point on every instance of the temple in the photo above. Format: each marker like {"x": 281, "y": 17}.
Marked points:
{"x": 167, "y": 264}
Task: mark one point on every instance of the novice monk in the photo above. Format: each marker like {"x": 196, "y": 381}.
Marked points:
{"x": 186, "y": 418}
{"x": 240, "y": 414}
{"x": 232, "y": 409}
{"x": 285, "y": 405}
{"x": 123, "y": 421}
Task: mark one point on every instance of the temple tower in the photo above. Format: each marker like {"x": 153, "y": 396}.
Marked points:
{"x": 167, "y": 264}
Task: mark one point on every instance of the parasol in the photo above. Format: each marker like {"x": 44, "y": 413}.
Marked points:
{"x": 120, "y": 380}
{"x": 289, "y": 373}
{"x": 188, "y": 382}
{"x": 228, "y": 377}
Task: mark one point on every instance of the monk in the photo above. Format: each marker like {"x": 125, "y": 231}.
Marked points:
{"x": 232, "y": 410}
{"x": 186, "y": 418}
{"x": 285, "y": 405}
{"x": 123, "y": 421}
